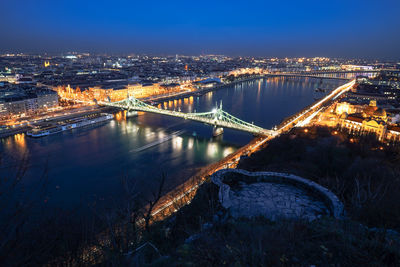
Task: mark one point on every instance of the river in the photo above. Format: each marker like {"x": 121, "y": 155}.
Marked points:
{"x": 86, "y": 165}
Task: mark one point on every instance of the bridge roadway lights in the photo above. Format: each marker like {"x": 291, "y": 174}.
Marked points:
{"x": 217, "y": 131}
{"x": 217, "y": 117}
{"x": 131, "y": 113}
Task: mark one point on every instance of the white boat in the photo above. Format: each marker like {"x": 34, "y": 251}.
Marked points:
{"x": 72, "y": 124}
{"x": 39, "y": 132}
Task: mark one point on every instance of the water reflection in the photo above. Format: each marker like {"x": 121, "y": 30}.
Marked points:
{"x": 90, "y": 162}
{"x": 212, "y": 150}
{"x": 190, "y": 143}
{"x": 20, "y": 141}
{"x": 228, "y": 151}
{"x": 120, "y": 115}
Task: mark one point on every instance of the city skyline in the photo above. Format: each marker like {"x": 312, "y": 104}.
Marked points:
{"x": 358, "y": 29}
{"x": 185, "y": 133}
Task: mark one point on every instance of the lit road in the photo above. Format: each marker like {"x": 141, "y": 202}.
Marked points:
{"x": 181, "y": 196}
{"x": 305, "y": 116}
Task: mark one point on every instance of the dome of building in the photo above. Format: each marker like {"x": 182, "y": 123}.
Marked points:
{"x": 369, "y": 110}
{"x": 380, "y": 113}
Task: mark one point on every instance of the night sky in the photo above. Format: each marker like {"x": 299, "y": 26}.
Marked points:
{"x": 352, "y": 28}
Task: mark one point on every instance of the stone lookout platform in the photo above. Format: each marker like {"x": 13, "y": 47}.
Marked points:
{"x": 274, "y": 195}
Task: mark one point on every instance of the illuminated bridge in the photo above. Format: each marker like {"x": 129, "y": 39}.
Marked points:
{"x": 217, "y": 117}
{"x": 325, "y": 74}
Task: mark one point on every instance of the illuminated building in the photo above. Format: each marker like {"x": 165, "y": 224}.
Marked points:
{"x": 23, "y": 103}
{"x": 356, "y": 67}
{"x": 345, "y": 107}
{"x": 207, "y": 83}
{"x": 393, "y": 133}
{"x": 372, "y": 120}
{"x": 115, "y": 93}
{"x": 242, "y": 71}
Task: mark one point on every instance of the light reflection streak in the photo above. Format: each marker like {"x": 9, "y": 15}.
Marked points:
{"x": 212, "y": 150}
{"x": 132, "y": 127}
{"x": 148, "y": 134}
{"x": 177, "y": 143}
{"x": 190, "y": 143}
{"x": 228, "y": 151}
{"x": 20, "y": 140}
{"x": 161, "y": 134}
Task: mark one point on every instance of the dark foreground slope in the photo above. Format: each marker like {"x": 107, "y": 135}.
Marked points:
{"x": 361, "y": 171}
{"x": 203, "y": 234}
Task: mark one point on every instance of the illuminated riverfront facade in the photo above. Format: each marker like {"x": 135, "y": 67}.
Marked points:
{"x": 350, "y": 67}
{"x": 115, "y": 94}
{"x": 367, "y": 120}
{"x": 242, "y": 71}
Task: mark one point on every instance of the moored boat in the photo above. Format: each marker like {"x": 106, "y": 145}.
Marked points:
{"x": 69, "y": 124}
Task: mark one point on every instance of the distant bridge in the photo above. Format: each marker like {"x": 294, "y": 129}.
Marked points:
{"x": 323, "y": 74}
{"x": 317, "y": 72}
{"x": 217, "y": 117}
{"x": 294, "y": 75}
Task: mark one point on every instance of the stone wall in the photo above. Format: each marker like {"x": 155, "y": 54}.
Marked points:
{"x": 319, "y": 192}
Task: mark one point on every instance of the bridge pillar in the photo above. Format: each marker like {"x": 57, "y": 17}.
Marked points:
{"x": 217, "y": 131}
{"x": 131, "y": 113}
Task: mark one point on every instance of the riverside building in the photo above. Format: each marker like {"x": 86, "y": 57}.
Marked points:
{"x": 25, "y": 101}
{"x": 369, "y": 119}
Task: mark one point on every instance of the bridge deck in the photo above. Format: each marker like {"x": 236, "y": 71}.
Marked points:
{"x": 217, "y": 117}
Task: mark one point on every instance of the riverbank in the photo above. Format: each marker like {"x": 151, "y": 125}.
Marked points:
{"x": 199, "y": 92}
